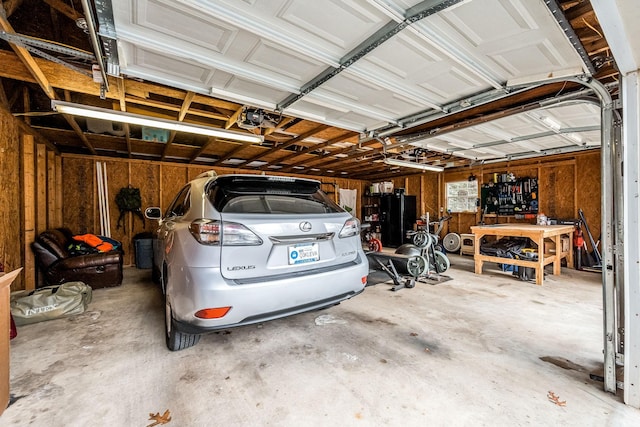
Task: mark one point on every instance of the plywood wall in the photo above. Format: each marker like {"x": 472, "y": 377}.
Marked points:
{"x": 33, "y": 175}
{"x": 28, "y": 196}
{"x": 11, "y": 241}
{"x": 588, "y": 192}
{"x": 158, "y": 183}
{"x": 565, "y": 184}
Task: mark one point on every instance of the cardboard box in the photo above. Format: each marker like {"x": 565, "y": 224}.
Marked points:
{"x": 386, "y": 187}
{"x": 5, "y": 292}
{"x": 550, "y": 245}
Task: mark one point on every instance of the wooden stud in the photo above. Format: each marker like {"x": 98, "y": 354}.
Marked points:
{"x": 29, "y": 209}
{"x": 51, "y": 189}
{"x": 41, "y": 188}
{"x": 26, "y": 104}
{"x": 58, "y": 198}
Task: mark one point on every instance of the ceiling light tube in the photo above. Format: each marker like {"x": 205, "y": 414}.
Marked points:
{"x": 138, "y": 119}
{"x": 406, "y": 164}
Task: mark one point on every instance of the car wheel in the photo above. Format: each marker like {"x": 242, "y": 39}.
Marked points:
{"x": 176, "y": 340}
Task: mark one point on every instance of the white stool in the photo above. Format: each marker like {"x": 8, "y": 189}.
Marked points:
{"x": 467, "y": 246}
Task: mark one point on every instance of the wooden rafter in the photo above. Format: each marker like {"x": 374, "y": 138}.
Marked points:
{"x": 182, "y": 112}
{"x": 10, "y": 6}
{"x": 331, "y": 156}
{"x": 314, "y": 147}
{"x": 281, "y": 125}
{"x": 232, "y": 152}
{"x": 123, "y": 107}
{"x": 211, "y": 140}
{"x": 29, "y": 61}
{"x": 234, "y": 117}
{"x": 65, "y": 9}
{"x": 31, "y": 131}
{"x": 76, "y": 127}
{"x": 186, "y": 103}
{"x": 289, "y": 143}
{"x": 42, "y": 80}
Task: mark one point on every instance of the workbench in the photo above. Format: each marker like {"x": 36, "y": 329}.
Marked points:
{"x": 537, "y": 233}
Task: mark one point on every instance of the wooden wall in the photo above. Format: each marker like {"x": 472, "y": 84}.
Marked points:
{"x": 30, "y": 196}
{"x": 11, "y": 241}
{"x": 158, "y": 183}
{"x": 40, "y": 189}
{"x": 566, "y": 183}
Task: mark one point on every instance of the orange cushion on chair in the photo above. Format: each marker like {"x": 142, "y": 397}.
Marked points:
{"x": 95, "y": 242}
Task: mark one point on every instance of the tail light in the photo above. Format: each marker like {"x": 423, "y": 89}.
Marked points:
{"x": 214, "y": 232}
{"x": 350, "y": 228}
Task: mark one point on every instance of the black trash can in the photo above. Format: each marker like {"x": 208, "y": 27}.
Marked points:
{"x": 143, "y": 246}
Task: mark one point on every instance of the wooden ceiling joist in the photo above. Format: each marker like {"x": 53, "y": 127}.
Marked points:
{"x": 289, "y": 143}
{"x": 65, "y": 9}
{"x": 123, "y": 107}
{"x": 29, "y": 61}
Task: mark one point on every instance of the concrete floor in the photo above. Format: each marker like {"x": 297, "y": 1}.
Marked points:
{"x": 466, "y": 352}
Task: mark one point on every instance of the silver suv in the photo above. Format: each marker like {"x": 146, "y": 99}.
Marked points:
{"x": 239, "y": 249}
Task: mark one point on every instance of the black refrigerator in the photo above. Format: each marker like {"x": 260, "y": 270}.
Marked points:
{"x": 397, "y": 216}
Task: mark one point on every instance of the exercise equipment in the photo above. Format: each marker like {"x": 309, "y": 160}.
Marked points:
{"x": 452, "y": 242}
{"x": 410, "y": 263}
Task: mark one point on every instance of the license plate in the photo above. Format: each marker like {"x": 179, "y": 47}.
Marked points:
{"x": 300, "y": 254}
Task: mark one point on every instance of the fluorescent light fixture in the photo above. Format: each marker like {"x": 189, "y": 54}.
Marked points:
{"x": 138, "y": 119}
{"x": 406, "y": 164}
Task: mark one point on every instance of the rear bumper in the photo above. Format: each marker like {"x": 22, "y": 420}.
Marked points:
{"x": 190, "y": 328}
{"x": 191, "y": 289}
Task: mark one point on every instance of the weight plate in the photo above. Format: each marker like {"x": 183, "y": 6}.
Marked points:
{"x": 421, "y": 239}
{"x": 452, "y": 242}
{"x": 442, "y": 263}
{"x": 417, "y": 266}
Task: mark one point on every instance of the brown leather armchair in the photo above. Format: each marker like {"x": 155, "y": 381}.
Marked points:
{"x": 98, "y": 270}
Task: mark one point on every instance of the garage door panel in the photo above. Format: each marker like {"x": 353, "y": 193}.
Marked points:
{"x": 175, "y": 67}
{"x": 350, "y": 20}
{"x": 509, "y": 38}
{"x": 186, "y": 24}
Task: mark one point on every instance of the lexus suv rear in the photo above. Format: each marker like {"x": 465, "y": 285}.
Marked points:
{"x": 239, "y": 249}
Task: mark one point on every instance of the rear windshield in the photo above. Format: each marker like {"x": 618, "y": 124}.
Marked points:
{"x": 262, "y": 195}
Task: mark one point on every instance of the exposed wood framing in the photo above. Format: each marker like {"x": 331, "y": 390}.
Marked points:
{"x": 3, "y": 97}
{"x": 289, "y": 143}
{"x": 123, "y": 107}
{"x": 41, "y": 188}
{"x": 233, "y": 118}
{"x": 51, "y": 189}
{"x": 210, "y": 141}
{"x": 29, "y": 61}
{"x": 26, "y": 104}
{"x": 10, "y": 6}
{"x": 29, "y": 209}
{"x": 65, "y": 9}
{"x": 315, "y": 147}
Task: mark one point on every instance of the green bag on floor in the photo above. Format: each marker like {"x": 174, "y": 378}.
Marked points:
{"x": 51, "y": 302}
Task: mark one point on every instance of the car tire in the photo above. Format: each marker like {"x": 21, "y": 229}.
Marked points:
{"x": 176, "y": 340}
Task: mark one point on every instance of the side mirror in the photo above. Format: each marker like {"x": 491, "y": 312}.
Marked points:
{"x": 153, "y": 213}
